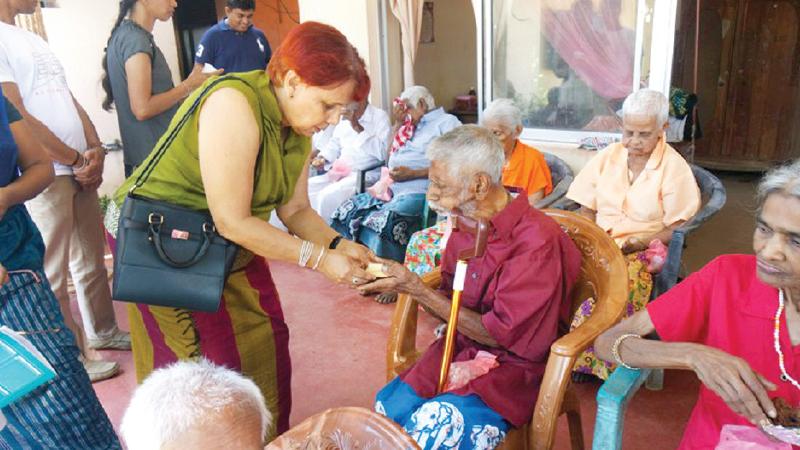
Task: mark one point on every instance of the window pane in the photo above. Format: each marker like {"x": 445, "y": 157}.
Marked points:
{"x": 568, "y": 64}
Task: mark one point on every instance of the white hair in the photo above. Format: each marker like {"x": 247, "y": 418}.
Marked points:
{"x": 503, "y": 111}
{"x": 784, "y": 179}
{"x": 182, "y": 397}
{"x": 468, "y": 150}
{"x": 412, "y": 95}
{"x": 647, "y": 103}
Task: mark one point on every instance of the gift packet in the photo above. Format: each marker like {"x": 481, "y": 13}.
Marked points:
{"x": 742, "y": 437}
{"x": 785, "y": 427}
{"x": 376, "y": 270}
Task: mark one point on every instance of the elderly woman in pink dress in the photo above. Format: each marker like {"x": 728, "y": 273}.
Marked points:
{"x": 735, "y": 323}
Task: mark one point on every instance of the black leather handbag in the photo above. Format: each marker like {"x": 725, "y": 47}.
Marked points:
{"x": 168, "y": 255}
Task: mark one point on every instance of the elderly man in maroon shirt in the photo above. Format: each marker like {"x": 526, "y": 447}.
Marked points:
{"x": 513, "y": 299}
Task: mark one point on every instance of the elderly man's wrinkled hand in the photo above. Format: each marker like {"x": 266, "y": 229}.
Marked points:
{"x": 402, "y": 173}
{"x": 399, "y": 111}
{"x": 398, "y": 279}
{"x": 318, "y": 162}
{"x": 632, "y": 245}
{"x": 733, "y": 380}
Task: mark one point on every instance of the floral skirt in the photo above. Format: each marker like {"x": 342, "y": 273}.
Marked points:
{"x": 424, "y": 252}
{"x": 640, "y": 285}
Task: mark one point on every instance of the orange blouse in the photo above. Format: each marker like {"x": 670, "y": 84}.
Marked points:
{"x": 663, "y": 194}
{"x": 527, "y": 170}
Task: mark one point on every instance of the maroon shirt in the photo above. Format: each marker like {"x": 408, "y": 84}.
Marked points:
{"x": 521, "y": 288}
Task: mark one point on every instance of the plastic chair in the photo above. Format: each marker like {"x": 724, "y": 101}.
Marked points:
{"x": 346, "y": 428}
{"x": 361, "y": 176}
{"x": 603, "y": 277}
{"x": 562, "y": 178}
{"x": 615, "y": 394}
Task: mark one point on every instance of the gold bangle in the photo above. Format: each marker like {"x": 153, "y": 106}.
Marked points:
{"x": 615, "y": 350}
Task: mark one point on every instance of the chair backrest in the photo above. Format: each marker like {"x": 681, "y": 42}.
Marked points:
{"x": 347, "y": 428}
{"x": 602, "y": 263}
{"x": 713, "y": 195}
{"x": 562, "y": 177}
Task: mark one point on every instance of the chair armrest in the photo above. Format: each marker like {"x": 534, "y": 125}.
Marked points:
{"x": 603, "y": 317}
{"x": 565, "y": 204}
{"x": 361, "y": 176}
{"x": 612, "y": 402}
{"x": 559, "y": 191}
{"x": 401, "y": 350}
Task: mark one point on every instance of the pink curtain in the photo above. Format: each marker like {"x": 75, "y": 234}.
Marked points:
{"x": 594, "y": 44}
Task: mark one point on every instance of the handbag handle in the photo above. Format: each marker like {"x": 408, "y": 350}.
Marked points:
{"x": 154, "y": 232}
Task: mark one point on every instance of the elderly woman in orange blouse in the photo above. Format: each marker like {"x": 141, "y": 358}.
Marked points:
{"x": 639, "y": 191}
{"x": 525, "y": 173}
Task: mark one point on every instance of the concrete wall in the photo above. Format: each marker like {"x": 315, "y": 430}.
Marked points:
{"x": 358, "y": 21}
{"x": 448, "y": 66}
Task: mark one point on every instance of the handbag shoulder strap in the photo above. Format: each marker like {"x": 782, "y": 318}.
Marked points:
{"x": 173, "y": 132}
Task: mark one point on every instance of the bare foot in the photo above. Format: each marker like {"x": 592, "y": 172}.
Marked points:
{"x": 386, "y": 298}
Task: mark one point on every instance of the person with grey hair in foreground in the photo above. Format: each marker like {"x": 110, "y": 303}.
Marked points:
{"x": 638, "y": 191}
{"x": 196, "y": 405}
{"x": 512, "y": 302}
{"x": 735, "y": 323}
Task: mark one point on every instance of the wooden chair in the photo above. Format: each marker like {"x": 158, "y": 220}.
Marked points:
{"x": 603, "y": 277}
{"x": 346, "y": 428}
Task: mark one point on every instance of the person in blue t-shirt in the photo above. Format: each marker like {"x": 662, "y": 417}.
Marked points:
{"x": 234, "y": 44}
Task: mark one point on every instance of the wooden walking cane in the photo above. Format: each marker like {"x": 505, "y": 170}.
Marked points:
{"x": 480, "y": 229}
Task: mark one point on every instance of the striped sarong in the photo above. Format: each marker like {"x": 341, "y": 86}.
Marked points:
{"x": 62, "y": 414}
{"x": 247, "y": 334}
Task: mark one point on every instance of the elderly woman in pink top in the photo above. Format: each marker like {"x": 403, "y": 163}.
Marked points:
{"x": 639, "y": 191}
{"x": 735, "y": 323}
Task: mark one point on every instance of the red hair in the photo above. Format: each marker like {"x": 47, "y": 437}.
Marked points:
{"x": 322, "y": 57}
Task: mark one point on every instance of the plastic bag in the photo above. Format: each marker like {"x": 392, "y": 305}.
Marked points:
{"x": 339, "y": 169}
{"x": 380, "y": 190}
{"x": 741, "y": 437}
{"x": 462, "y": 372}
{"x": 655, "y": 256}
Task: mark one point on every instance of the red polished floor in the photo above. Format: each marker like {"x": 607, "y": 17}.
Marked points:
{"x": 338, "y": 353}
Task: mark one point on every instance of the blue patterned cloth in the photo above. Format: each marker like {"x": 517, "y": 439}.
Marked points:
{"x": 384, "y": 227}
{"x": 65, "y": 413}
{"x": 446, "y": 421}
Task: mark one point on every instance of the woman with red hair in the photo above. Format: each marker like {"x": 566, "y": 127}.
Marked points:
{"x": 241, "y": 153}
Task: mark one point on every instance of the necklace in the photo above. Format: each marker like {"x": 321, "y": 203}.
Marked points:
{"x": 776, "y": 334}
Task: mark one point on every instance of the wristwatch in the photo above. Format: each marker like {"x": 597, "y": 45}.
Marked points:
{"x": 335, "y": 242}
